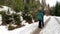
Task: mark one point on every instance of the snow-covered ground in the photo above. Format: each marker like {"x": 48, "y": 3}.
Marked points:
{"x": 52, "y": 27}
{"x": 28, "y": 29}
{"x": 58, "y": 18}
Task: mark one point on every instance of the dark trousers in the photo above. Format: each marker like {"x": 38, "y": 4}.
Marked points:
{"x": 41, "y": 24}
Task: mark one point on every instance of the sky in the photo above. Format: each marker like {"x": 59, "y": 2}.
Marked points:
{"x": 51, "y": 2}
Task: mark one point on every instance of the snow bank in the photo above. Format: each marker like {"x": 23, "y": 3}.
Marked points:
{"x": 46, "y": 17}
{"x": 52, "y": 27}
{"x": 58, "y": 18}
{"x": 25, "y": 30}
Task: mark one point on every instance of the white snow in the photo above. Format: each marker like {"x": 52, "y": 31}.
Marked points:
{"x": 5, "y": 8}
{"x": 3, "y": 30}
{"x": 52, "y": 27}
{"x": 46, "y": 17}
{"x": 58, "y": 18}
{"x": 24, "y": 23}
{"x": 0, "y": 19}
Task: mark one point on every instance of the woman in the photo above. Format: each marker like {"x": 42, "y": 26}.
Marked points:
{"x": 40, "y": 15}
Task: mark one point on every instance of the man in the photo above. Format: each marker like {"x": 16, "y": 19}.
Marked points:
{"x": 40, "y": 15}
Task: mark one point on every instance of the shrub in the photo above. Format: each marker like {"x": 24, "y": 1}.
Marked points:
{"x": 17, "y": 19}
{"x": 5, "y": 18}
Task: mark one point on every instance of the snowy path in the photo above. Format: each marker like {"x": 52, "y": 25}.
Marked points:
{"x": 52, "y": 27}
{"x": 37, "y": 31}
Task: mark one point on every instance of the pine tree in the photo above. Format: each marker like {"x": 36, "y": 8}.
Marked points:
{"x": 57, "y": 9}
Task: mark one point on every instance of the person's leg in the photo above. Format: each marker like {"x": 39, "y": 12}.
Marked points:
{"x": 39, "y": 24}
{"x": 42, "y": 23}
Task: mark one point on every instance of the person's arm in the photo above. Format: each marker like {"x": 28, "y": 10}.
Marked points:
{"x": 43, "y": 12}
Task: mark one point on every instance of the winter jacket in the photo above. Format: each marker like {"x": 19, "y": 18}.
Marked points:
{"x": 40, "y": 15}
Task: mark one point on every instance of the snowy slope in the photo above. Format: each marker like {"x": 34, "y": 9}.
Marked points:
{"x": 23, "y": 30}
{"x": 52, "y": 27}
{"x": 46, "y": 17}
{"x": 58, "y": 18}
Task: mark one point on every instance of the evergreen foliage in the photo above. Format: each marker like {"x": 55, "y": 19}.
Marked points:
{"x": 57, "y": 9}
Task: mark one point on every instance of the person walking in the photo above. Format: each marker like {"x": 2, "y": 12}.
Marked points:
{"x": 40, "y": 16}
